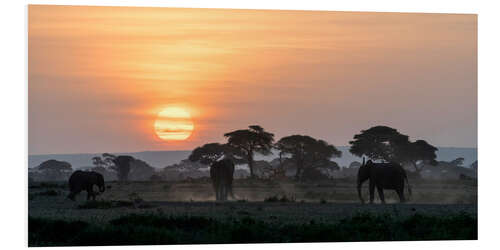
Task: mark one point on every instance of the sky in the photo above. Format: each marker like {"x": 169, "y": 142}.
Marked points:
{"x": 98, "y": 77}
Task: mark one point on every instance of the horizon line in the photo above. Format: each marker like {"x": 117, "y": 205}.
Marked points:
{"x": 183, "y": 150}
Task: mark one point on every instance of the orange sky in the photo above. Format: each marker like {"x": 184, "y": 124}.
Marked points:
{"x": 98, "y": 76}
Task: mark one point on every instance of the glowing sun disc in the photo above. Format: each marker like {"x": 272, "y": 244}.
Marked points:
{"x": 174, "y": 124}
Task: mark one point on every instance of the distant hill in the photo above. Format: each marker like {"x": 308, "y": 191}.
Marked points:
{"x": 160, "y": 159}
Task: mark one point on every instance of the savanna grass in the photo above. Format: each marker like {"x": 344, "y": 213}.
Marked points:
{"x": 158, "y": 228}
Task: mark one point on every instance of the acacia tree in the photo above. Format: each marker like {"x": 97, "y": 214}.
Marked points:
{"x": 458, "y": 162}
{"x": 54, "y": 170}
{"x": 387, "y": 144}
{"x": 417, "y": 154}
{"x": 378, "y": 143}
{"x": 98, "y": 162}
{"x": 120, "y": 164}
{"x": 246, "y": 142}
{"x": 208, "y": 153}
{"x": 474, "y": 165}
{"x": 308, "y": 153}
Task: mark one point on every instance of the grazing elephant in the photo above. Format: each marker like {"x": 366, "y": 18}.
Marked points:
{"x": 383, "y": 176}
{"x": 221, "y": 173}
{"x": 84, "y": 180}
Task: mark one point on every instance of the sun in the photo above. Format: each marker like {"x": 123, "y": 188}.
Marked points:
{"x": 174, "y": 124}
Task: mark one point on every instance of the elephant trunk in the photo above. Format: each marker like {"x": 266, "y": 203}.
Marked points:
{"x": 360, "y": 183}
{"x": 101, "y": 189}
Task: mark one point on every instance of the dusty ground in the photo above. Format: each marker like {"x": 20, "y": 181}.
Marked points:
{"x": 311, "y": 201}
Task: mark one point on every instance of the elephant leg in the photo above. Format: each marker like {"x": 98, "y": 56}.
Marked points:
{"x": 401, "y": 195}
{"x": 215, "y": 190}
{"x": 372, "y": 192}
{"x": 90, "y": 193}
{"x": 72, "y": 195}
{"x": 381, "y": 194}
{"x": 222, "y": 192}
{"x": 225, "y": 192}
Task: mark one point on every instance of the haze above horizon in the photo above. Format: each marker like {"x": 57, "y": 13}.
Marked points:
{"x": 99, "y": 76}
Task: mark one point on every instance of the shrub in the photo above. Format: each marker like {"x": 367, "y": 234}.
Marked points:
{"x": 52, "y": 185}
{"x": 50, "y": 192}
{"x": 102, "y": 204}
{"x": 271, "y": 199}
{"x": 283, "y": 198}
{"x": 46, "y": 232}
{"x": 152, "y": 228}
{"x": 135, "y": 197}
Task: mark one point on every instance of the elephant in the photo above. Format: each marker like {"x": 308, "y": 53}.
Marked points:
{"x": 382, "y": 176}
{"x": 85, "y": 180}
{"x": 221, "y": 173}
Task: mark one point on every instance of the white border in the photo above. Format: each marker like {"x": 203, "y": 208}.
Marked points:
{"x": 14, "y": 106}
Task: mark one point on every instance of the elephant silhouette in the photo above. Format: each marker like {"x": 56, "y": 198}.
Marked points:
{"x": 382, "y": 176}
{"x": 84, "y": 180}
{"x": 221, "y": 173}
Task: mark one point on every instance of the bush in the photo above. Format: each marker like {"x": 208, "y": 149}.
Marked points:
{"x": 152, "y": 228}
{"x": 46, "y": 232}
{"x": 104, "y": 204}
{"x": 50, "y": 192}
{"x": 283, "y": 198}
{"x": 271, "y": 199}
{"x": 52, "y": 185}
{"x": 135, "y": 198}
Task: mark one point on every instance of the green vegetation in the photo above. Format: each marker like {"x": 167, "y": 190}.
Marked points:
{"x": 49, "y": 192}
{"x": 157, "y": 228}
{"x": 276, "y": 198}
{"x": 104, "y": 204}
{"x": 49, "y": 185}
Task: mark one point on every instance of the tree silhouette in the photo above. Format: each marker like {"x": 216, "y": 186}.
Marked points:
{"x": 378, "y": 143}
{"x": 140, "y": 170}
{"x": 122, "y": 166}
{"x": 98, "y": 162}
{"x": 246, "y": 142}
{"x": 208, "y": 153}
{"x": 458, "y": 162}
{"x": 387, "y": 144}
{"x": 54, "y": 170}
{"x": 474, "y": 165}
{"x": 417, "y": 154}
{"x": 308, "y": 153}
{"x": 55, "y": 165}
